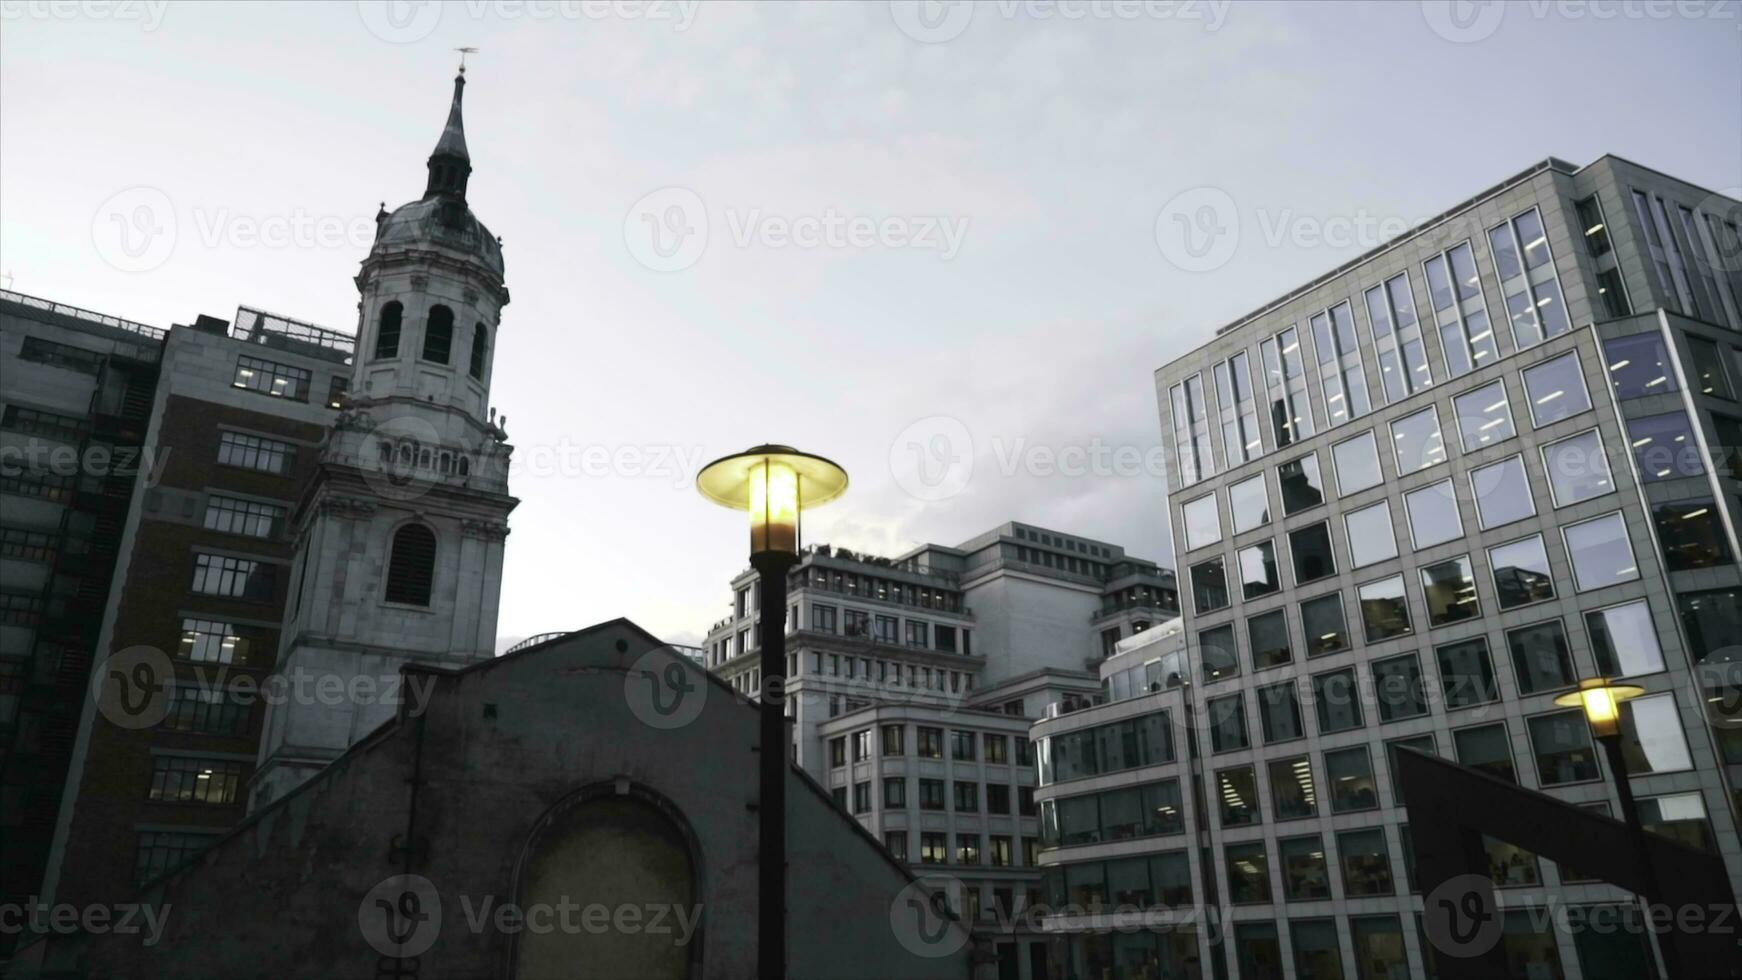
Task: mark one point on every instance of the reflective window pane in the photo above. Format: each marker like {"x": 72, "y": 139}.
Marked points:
{"x": 1371, "y": 538}
{"x": 1577, "y": 468}
{"x": 1237, "y": 790}
{"x": 1268, "y": 634}
{"x": 1433, "y": 515}
{"x": 1209, "y": 586}
{"x": 1203, "y": 523}
{"x": 1310, "y": 549}
{"x": 1691, "y": 534}
{"x": 1521, "y": 572}
{"x": 1556, "y": 389}
{"x": 1652, "y": 739}
{"x": 1357, "y": 464}
{"x": 1484, "y": 417}
{"x": 1541, "y": 660}
{"x": 1709, "y": 374}
{"x": 1323, "y": 625}
{"x": 1502, "y": 493}
{"x": 1366, "y": 862}
{"x": 1639, "y": 365}
{"x": 1416, "y": 440}
{"x": 1317, "y": 953}
{"x": 1601, "y": 552}
{"x": 1248, "y": 877}
{"x": 1279, "y": 712}
{"x": 1486, "y": 748}
{"x": 1249, "y": 504}
{"x": 1563, "y": 748}
{"x": 1217, "y": 654}
{"x": 1679, "y": 816}
{"x": 1349, "y": 774}
{"x": 1466, "y": 676}
{"x": 1664, "y": 447}
{"x": 1337, "y": 701}
{"x": 1624, "y": 640}
{"x": 1710, "y": 620}
{"x": 1227, "y": 717}
{"x": 1449, "y": 588}
{"x": 1384, "y": 609}
{"x": 1300, "y": 484}
{"x": 1258, "y": 574}
{"x": 1397, "y": 688}
{"x": 1304, "y": 878}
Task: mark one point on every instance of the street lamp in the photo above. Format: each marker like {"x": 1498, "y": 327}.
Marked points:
{"x": 1601, "y": 700}
{"x": 776, "y": 484}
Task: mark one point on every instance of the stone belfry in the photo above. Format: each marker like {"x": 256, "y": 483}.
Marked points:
{"x": 400, "y": 535}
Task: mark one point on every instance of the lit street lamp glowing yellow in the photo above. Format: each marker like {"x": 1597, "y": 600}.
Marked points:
{"x": 776, "y": 484}
{"x": 1601, "y": 701}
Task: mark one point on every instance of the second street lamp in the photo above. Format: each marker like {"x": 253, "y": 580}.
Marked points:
{"x": 776, "y": 484}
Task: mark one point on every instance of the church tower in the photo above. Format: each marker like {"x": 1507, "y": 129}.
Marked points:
{"x": 401, "y": 533}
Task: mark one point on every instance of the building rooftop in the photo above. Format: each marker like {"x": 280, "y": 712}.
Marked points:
{"x": 255, "y": 326}
{"x": 78, "y": 313}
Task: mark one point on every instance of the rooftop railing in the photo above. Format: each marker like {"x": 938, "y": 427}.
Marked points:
{"x": 256, "y": 326}
{"x": 64, "y": 309}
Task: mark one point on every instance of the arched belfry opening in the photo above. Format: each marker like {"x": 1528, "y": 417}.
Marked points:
{"x": 623, "y": 847}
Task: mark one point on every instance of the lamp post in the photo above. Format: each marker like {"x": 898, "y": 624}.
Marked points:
{"x": 775, "y": 484}
{"x": 1601, "y": 700}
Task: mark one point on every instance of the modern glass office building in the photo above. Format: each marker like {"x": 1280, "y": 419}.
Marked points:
{"x": 1415, "y": 500}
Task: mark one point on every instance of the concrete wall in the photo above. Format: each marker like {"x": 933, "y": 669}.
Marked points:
{"x": 501, "y": 746}
{"x": 1028, "y": 623}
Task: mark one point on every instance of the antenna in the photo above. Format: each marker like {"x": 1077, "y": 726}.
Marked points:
{"x": 463, "y": 52}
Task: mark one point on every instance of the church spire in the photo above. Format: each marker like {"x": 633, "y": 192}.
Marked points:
{"x": 450, "y": 164}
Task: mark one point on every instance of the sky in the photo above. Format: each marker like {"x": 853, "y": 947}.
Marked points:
{"x": 946, "y": 245}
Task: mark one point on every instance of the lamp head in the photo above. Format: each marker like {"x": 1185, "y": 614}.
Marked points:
{"x": 1601, "y": 700}
{"x": 776, "y": 484}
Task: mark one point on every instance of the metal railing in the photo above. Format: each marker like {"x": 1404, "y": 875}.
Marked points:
{"x": 256, "y": 326}
{"x": 64, "y": 309}
{"x": 533, "y": 641}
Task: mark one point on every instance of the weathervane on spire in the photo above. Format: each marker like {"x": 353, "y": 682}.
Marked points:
{"x": 463, "y": 52}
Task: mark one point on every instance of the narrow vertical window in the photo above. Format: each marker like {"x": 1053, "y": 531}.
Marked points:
{"x": 1341, "y": 377}
{"x": 480, "y": 344}
{"x": 438, "y": 335}
{"x": 411, "y": 566}
{"x": 387, "y": 331}
{"x": 1403, "y": 367}
{"x": 1240, "y": 439}
{"x": 1291, "y": 417}
{"x": 1527, "y": 280}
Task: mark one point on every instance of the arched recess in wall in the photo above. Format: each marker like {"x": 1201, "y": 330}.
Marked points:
{"x": 620, "y": 845}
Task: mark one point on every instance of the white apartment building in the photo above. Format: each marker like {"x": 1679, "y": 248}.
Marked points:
{"x": 912, "y": 682}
